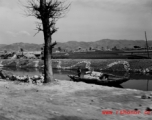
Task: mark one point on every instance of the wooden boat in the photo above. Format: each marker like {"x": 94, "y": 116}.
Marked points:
{"x": 111, "y": 81}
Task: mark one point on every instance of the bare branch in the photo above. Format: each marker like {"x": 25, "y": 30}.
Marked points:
{"x": 52, "y": 23}
{"x": 54, "y": 9}
{"x": 36, "y": 33}
{"x": 33, "y": 8}
{"x": 53, "y": 44}
{"x": 53, "y": 30}
{"x": 38, "y": 28}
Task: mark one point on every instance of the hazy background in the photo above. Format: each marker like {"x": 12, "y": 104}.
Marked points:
{"x": 87, "y": 20}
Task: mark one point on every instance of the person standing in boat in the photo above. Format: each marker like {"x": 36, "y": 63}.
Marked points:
{"x": 104, "y": 76}
{"x": 79, "y": 72}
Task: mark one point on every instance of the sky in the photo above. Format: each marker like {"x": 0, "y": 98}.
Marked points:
{"x": 86, "y": 20}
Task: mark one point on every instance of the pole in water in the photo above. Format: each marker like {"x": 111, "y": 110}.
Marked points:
{"x": 147, "y": 44}
{"x": 147, "y": 84}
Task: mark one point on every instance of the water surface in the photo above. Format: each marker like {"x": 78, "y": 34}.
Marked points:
{"x": 137, "y": 81}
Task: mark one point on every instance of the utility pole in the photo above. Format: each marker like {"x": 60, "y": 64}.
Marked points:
{"x": 147, "y": 44}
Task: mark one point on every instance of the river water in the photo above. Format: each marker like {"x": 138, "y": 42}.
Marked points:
{"x": 137, "y": 81}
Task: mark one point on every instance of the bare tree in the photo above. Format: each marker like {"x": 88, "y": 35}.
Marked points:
{"x": 48, "y": 12}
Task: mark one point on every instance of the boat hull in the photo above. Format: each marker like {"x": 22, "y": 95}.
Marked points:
{"x": 110, "y": 82}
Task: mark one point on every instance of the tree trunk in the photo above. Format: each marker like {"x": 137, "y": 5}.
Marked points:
{"x": 48, "y": 72}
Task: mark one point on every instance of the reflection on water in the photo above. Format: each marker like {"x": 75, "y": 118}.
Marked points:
{"x": 138, "y": 84}
{"x": 137, "y": 81}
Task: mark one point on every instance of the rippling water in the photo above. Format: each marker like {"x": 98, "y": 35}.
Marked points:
{"x": 137, "y": 81}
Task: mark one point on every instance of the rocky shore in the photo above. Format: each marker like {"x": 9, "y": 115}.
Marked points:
{"x": 67, "y": 100}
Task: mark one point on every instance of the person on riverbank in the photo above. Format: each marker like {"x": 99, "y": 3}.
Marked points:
{"x": 2, "y": 76}
{"x": 79, "y": 72}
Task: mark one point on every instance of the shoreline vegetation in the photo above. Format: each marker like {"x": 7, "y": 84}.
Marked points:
{"x": 134, "y": 65}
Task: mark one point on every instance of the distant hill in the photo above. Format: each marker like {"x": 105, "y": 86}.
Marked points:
{"x": 72, "y": 45}
{"x": 17, "y": 46}
{"x": 105, "y": 43}
{"x": 2, "y": 45}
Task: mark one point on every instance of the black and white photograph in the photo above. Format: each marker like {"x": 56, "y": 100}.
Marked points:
{"x": 75, "y": 59}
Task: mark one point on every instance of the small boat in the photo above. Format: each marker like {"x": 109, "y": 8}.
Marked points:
{"x": 111, "y": 81}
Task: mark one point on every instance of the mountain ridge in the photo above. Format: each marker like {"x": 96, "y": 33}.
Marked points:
{"x": 72, "y": 45}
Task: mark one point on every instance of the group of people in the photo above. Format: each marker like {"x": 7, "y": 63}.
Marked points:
{"x": 93, "y": 73}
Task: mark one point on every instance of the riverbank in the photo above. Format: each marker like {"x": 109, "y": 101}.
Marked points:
{"x": 67, "y": 100}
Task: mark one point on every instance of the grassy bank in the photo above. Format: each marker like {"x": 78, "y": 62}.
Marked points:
{"x": 68, "y": 100}
{"x": 96, "y": 64}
